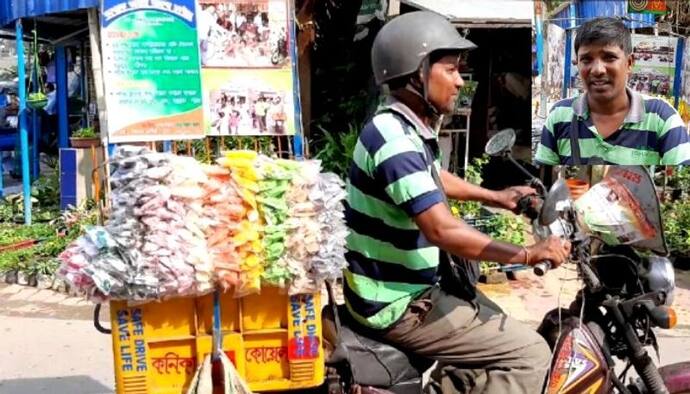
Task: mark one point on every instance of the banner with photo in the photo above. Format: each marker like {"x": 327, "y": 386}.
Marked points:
{"x": 151, "y": 67}
{"x": 655, "y": 64}
{"x": 555, "y": 63}
{"x": 684, "y": 102}
{"x": 247, "y": 67}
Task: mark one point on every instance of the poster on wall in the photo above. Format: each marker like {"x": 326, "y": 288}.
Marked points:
{"x": 151, "y": 68}
{"x": 655, "y": 64}
{"x": 555, "y": 60}
{"x": 247, "y": 68}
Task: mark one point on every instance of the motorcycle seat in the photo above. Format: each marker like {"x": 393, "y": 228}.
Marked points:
{"x": 371, "y": 361}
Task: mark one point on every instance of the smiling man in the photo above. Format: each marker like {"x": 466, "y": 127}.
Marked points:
{"x": 610, "y": 123}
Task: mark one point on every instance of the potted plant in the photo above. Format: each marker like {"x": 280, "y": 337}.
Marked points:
{"x": 85, "y": 137}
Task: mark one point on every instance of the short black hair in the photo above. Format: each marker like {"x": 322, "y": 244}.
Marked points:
{"x": 604, "y": 31}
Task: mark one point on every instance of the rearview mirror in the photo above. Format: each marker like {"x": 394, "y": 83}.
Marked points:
{"x": 558, "y": 192}
{"x": 501, "y": 142}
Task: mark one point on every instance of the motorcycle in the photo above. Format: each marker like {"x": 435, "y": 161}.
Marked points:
{"x": 627, "y": 291}
{"x": 279, "y": 51}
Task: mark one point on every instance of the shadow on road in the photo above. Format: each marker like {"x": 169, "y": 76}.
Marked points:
{"x": 58, "y": 385}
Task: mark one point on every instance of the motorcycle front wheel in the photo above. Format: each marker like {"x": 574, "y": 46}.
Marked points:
{"x": 676, "y": 377}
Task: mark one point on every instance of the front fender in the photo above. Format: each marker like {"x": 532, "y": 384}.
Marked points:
{"x": 676, "y": 377}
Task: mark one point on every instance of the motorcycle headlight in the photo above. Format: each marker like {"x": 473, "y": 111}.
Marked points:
{"x": 661, "y": 277}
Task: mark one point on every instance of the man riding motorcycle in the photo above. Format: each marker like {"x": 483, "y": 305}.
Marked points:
{"x": 399, "y": 221}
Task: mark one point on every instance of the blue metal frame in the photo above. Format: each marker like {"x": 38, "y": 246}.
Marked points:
{"x": 678, "y": 79}
{"x": 61, "y": 96}
{"x": 298, "y": 146}
{"x": 569, "y": 50}
{"x": 35, "y": 126}
{"x": 23, "y": 132}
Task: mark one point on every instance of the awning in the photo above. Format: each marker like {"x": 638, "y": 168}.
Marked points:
{"x": 55, "y": 20}
{"x": 496, "y": 13}
{"x": 11, "y": 10}
{"x": 588, "y": 9}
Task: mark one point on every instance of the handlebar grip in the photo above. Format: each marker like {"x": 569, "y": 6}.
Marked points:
{"x": 542, "y": 267}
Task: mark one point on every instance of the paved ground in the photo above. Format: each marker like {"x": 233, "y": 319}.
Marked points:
{"x": 49, "y": 344}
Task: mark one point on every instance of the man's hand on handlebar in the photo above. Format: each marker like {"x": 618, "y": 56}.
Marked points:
{"x": 552, "y": 249}
{"x": 508, "y": 198}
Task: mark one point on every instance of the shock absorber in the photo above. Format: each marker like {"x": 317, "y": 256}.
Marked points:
{"x": 638, "y": 355}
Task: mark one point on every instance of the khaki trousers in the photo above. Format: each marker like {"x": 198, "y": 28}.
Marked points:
{"x": 478, "y": 347}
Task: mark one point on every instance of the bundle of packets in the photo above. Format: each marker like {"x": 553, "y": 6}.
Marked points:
{"x": 154, "y": 245}
{"x": 245, "y": 241}
{"x": 180, "y": 228}
{"x": 316, "y": 228}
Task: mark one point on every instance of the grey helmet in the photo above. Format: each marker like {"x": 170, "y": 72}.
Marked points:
{"x": 405, "y": 42}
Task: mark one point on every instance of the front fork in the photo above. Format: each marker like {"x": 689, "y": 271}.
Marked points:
{"x": 637, "y": 354}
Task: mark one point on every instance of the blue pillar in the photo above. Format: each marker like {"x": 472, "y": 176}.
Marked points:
{"x": 569, "y": 35}
{"x": 298, "y": 147}
{"x": 539, "y": 39}
{"x": 61, "y": 96}
{"x": 678, "y": 79}
{"x": 23, "y": 133}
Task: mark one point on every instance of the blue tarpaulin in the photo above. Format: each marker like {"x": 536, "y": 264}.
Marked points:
{"x": 11, "y": 10}
{"x": 588, "y": 9}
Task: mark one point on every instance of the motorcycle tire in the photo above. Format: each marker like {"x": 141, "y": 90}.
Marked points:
{"x": 676, "y": 377}
{"x": 275, "y": 58}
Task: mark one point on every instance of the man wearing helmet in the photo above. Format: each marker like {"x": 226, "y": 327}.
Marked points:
{"x": 399, "y": 221}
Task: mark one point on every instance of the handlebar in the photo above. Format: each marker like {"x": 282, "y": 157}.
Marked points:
{"x": 542, "y": 267}
{"x": 529, "y": 206}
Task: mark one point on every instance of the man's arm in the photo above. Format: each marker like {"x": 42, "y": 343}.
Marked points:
{"x": 458, "y": 189}
{"x": 674, "y": 142}
{"x": 442, "y": 229}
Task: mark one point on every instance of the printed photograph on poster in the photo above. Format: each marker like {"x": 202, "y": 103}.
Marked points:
{"x": 243, "y": 33}
{"x": 555, "y": 62}
{"x": 243, "y": 102}
{"x": 654, "y": 51}
{"x": 652, "y": 80}
{"x": 654, "y": 67}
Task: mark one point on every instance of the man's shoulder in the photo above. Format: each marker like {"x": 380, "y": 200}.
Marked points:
{"x": 388, "y": 124}
{"x": 561, "y": 111}
{"x": 566, "y": 102}
{"x": 658, "y": 106}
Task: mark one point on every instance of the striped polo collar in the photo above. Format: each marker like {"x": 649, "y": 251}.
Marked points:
{"x": 635, "y": 114}
{"x": 403, "y": 110}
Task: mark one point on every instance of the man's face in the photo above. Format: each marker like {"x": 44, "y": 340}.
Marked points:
{"x": 444, "y": 84}
{"x": 604, "y": 69}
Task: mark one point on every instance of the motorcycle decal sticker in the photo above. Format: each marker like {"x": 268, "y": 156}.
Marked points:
{"x": 577, "y": 361}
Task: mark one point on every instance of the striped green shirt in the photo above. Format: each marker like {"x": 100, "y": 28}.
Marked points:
{"x": 390, "y": 262}
{"x": 652, "y": 133}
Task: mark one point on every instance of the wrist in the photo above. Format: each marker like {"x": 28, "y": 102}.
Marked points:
{"x": 492, "y": 197}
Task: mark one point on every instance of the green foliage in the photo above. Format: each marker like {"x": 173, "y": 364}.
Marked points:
{"x": 85, "y": 132}
{"x": 473, "y": 174}
{"x": 676, "y": 216}
{"x": 679, "y": 178}
{"x": 336, "y": 150}
{"x": 46, "y": 190}
{"x": 207, "y": 153}
{"x": 53, "y": 239}
{"x": 507, "y": 227}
